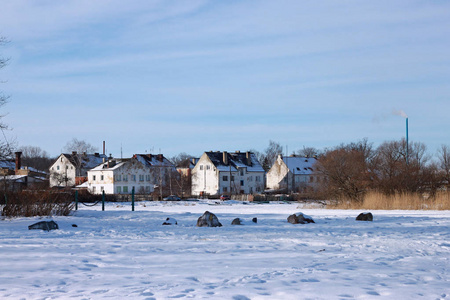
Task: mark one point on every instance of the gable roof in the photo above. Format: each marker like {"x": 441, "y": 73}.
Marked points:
{"x": 148, "y": 160}
{"x": 86, "y": 161}
{"x": 235, "y": 161}
{"x": 153, "y": 160}
{"x": 300, "y": 165}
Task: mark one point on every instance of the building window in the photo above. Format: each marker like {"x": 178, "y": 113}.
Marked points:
{"x": 225, "y": 178}
{"x": 93, "y": 177}
{"x": 147, "y": 177}
{"x": 258, "y": 189}
{"x": 133, "y": 177}
{"x": 118, "y": 189}
{"x": 225, "y": 189}
{"x": 101, "y": 177}
{"x": 242, "y": 172}
{"x": 242, "y": 182}
{"x": 57, "y": 168}
{"x": 208, "y": 167}
{"x": 201, "y": 167}
{"x": 232, "y": 178}
{"x": 125, "y": 178}
{"x": 147, "y": 189}
{"x": 118, "y": 177}
{"x": 125, "y": 189}
{"x": 311, "y": 179}
{"x": 141, "y": 177}
{"x": 257, "y": 179}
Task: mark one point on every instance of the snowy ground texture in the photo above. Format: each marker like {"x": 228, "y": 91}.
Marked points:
{"x": 118, "y": 253}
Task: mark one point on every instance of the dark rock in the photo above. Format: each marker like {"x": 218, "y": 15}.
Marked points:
{"x": 236, "y": 221}
{"x": 44, "y": 225}
{"x": 208, "y": 220}
{"x": 255, "y": 220}
{"x": 300, "y": 218}
{"x": 364, "y": 217}
{"x": 74, "y": 225}
{"x": 170, "y": 221}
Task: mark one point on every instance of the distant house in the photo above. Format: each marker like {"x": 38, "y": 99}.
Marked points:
{"x": 143, "y": 172}
{"x": 71, "y": 169}
{"x": 293, "y": 173}
{"x": 218, "y": 173}
{"x": 16, "y": 177}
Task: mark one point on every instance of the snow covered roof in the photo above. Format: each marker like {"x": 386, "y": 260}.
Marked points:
{"x": 7, "y": 164}
{"x": 235, "y": 161}
{"x": 148, "y": 160}
{"x": 88, "y": 161}
{"x": 300, "y": 165}
{"x": 110, "y": 165}
{"x": 153, "y": 160}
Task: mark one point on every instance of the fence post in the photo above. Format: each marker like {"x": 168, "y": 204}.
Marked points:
{"x": 103, "y": 200}
{"x": 132, "y": 199}
{"x": 76, "y": 200}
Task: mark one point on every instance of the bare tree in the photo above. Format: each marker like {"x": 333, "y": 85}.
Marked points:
{"x": 80, "y": 146}
{"x": 394, "y": 173}
{"x": 309, "y": 152}
{"x": 347, "y": 169}
{"x": 444, "y": 162}
{"x": 181, "y": 159}
{"x": 6, "y": 147}
{"x": 270, "y": 154}
{"x": 33, "y": 156}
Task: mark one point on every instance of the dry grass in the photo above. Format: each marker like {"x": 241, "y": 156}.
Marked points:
{"x": 402, "y": 201}
{"x": 37, "y": 203}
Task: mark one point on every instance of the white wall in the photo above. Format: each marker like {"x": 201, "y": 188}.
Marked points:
{"x": 63, "y": 167}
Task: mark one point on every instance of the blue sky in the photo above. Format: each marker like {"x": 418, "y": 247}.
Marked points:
{"x": 194, "y": 76}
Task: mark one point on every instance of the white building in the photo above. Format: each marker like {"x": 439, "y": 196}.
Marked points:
{"x": 296, "y": 173}
{"x": 219, "y": 173}
{"x": 143, "y": 172}
{"x": 71, "y": 169}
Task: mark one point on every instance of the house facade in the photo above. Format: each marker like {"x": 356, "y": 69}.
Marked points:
{"x": 143, "y": 172}
{"x": 294, "y": 174}
{"x": 71, "y": 169}
{"x": 218, "y": 173}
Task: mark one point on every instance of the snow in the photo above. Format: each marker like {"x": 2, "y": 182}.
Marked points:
{"x": 118, "y": 253}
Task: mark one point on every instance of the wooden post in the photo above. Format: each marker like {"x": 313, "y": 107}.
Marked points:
{"x": 103, "y": 200}
{"x": 132, "y": 199}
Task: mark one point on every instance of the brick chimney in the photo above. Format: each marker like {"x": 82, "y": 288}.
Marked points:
{"x": 248, "y": 156}
{"x": 18, "y": 161}
{"x": 225, "y": 157}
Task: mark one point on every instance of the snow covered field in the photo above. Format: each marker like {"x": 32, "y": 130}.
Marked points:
{"x": 118, "y": 253}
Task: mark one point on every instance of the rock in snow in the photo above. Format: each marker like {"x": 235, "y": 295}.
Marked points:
{"x": 208, "y": 220}
{"x": 236, "y": 221}
{"x": 170, "y": 221}
{"x": 364, "y": 217}
{"x": 239, "y": 221}
{"x": 300, "y": 218}
{"x": 44, "y": 225}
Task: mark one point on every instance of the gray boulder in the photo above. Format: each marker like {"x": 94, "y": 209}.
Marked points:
{"x": 44, "y": 225}
{"x": 208, "y": 220}
{"x": 170, "y": 221}
{"x": 237, "y": 221}
{"x": 364, "y": 217}
{"x": 300, "y": 218}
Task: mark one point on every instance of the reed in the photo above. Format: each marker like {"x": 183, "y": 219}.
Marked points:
{"x": 402, "y": 201}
